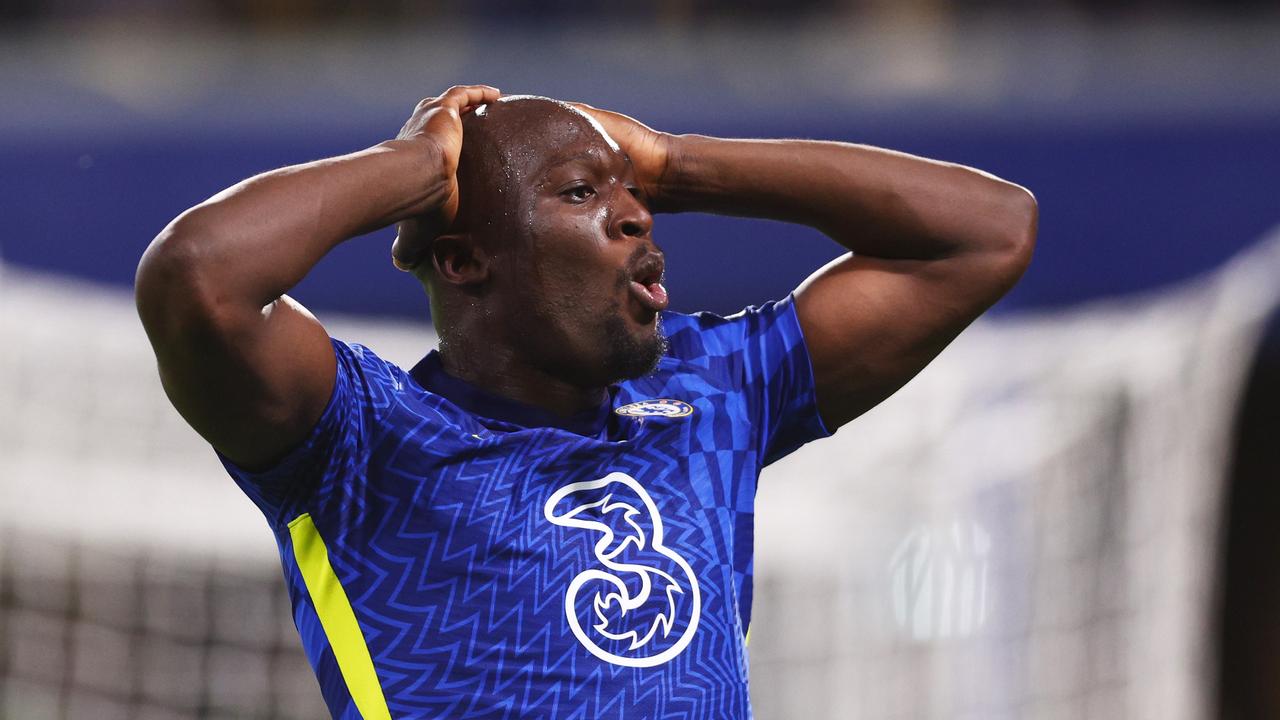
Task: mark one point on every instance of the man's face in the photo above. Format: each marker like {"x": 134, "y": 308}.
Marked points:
{"x": 576, "y": 270}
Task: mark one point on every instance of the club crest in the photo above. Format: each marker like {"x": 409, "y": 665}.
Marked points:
{"x": 660, "y": 407}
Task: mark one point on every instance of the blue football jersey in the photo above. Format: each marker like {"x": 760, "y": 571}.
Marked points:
{"x": 454, "y": 554}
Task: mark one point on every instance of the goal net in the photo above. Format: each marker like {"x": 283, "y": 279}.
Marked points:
{"x": 1027, "y": 530}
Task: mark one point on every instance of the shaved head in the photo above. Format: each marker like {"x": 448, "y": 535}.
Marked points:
{"x": 505, "y": 146}
{"x": 551, "y": 234}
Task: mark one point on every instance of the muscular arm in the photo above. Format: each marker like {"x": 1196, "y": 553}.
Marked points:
{"x": 933, "y": 245}
{"x": 245, "y": 365}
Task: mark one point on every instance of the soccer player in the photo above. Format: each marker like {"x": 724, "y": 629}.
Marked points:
{"x": 551, "y": 515}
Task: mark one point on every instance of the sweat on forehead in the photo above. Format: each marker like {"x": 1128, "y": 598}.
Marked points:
{"x": 523, "y": 130}
{"x": 505, "y": 143}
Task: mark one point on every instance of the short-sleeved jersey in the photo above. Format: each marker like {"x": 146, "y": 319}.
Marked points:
{"x": 453, "y": 554}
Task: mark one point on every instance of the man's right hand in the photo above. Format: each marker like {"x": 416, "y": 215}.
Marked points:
{"x": 249, "y": 368}
{"x": 437, "y": 121}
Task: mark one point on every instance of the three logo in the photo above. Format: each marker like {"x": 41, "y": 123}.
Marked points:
{"x": 641, "y": 590}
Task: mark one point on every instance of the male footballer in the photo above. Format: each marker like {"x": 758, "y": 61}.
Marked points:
{"x": 550, "y": 516}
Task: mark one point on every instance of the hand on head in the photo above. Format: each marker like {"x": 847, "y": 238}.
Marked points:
{"x": 650, "y": 151}
{"x": 438, "y": 122}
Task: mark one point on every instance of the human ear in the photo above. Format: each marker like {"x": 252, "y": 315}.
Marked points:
{"x": 459, "y": 260}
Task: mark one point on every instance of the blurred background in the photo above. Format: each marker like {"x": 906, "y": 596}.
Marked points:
{"x": 1071, "y": 514}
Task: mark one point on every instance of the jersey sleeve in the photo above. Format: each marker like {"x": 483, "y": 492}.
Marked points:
{"x": 762, "y": 351}
{"x": 334, "y": 454}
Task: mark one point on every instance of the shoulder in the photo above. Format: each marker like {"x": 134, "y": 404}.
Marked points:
{"x": 366, "y": 380}
{"x": 704, "y": 335}
{"x": 359, "y": 355}
{"x": 360, "y": 360}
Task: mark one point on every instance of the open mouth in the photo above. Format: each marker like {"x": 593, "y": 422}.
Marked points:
{"x": 646, "y": 284}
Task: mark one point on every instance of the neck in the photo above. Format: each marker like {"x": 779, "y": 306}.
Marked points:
{"x": 498, "y": 370}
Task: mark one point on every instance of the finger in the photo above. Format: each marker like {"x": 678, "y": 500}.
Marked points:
{"x": 411, "y": 247}
{"x": 460, "y": 97}
{"x": 464, "y": 97}
{"x": 598, "y": 113}
{"x": 401, "y": 256}
{"x": 611, "y": 121}
{"x": 583, "y": 107}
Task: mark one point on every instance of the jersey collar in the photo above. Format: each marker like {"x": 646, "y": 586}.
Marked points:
{"x": 431, "y": 375}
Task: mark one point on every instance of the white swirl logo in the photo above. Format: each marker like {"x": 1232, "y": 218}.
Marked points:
{"x": 639, "y": 602}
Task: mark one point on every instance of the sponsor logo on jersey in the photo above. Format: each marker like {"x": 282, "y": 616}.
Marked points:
{"x": 640, "y": 599}
{"x": 661, "y": 407}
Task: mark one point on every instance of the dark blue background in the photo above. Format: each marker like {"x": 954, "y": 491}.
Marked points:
{"x": 1124, "y": 207}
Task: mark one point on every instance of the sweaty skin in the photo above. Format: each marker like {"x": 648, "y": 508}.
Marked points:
{"x": 533, "y": 238}
{"x": 550, "y": 235}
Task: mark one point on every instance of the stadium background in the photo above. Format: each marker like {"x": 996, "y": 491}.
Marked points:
{"x": 1056, "y": 520}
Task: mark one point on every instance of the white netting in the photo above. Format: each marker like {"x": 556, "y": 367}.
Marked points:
{"x": 136, "y": 581}
{"x": 1026, "y": 531}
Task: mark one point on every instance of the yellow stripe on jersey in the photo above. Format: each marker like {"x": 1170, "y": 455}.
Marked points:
{"x": 338, "y": 619}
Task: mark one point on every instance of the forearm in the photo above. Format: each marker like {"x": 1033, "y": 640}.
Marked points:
{"x": 875, "y": 202}
{"x": 249, "y": 244}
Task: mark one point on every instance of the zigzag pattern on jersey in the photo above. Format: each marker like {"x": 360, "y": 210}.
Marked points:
{"x": 434, "y": 525}
{"x": 460, "y": 591}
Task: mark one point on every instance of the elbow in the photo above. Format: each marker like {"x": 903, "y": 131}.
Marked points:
{"x": 165, "y": 268}
{"x": 1020, "y": 222}
{"x": 160, "y": 271}
{"x": 171, "y": 285}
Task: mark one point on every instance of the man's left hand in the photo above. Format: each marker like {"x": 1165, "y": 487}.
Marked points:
{"x": 651, "y": 152}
